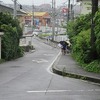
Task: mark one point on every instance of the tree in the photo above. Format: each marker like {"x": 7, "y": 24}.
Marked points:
{"x": 10, "y": 39}
{"x": 93, "y": 38}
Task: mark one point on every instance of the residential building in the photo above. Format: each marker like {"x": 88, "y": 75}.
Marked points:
{"x": 20, "y": 13}
{"x": 4, "y": 8}
{"x": 39, "y": 19}
{"x": 85, "y": 6}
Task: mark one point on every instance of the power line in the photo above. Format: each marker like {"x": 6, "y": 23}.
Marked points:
{"x": 21, "y": 6}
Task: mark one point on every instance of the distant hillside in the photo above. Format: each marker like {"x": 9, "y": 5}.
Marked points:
{"x": 28, "y": 8}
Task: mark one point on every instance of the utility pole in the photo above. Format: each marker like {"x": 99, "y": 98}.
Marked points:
{"x": 14, "y": 16}
{"x": 68, "y": 11}
{"x": 53, "y": 19}
{"x": 94, "y": 9}
{"x": 72, "y": 10}
{"x": 93, "y": 37}
{"x": 32, "y": 17}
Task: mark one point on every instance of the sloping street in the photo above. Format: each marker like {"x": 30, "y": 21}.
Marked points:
{"x": 30, "y": 78}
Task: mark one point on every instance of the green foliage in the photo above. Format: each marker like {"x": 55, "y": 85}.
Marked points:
{"x": 45, "y": 34}
{"x": 79, "y": 24}
{"x": 28, "y": 48}
{"x": 20, "y": 52}
{"x": 70, "y": 29}
{"x": 80, "y": 47}
{"x": 79, "y": 33}
{"x": 2, "y": 60}
{"x": 10, "y": 39}
{"x": 97, "y": 32}
{"x": 94, "y": 66}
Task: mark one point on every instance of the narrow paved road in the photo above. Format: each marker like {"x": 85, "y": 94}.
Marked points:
{"x": 29, "y": 78}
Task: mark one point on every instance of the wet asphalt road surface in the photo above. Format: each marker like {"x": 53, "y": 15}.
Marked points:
{"x": 29, "y": 78}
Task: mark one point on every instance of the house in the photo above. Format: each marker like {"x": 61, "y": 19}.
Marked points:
{"x": 39, "y": 19}
{"x": 85, "y": 6}
{"x": 4, "y": 8}
{"x": 20, "y": 13}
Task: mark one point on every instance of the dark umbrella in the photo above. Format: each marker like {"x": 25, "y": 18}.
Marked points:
{"x": 63, "y": 43}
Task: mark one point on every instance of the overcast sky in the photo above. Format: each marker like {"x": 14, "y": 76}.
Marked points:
{"x": 36, "y": 2}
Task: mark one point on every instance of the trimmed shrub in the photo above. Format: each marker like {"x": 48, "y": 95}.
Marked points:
{"x": 10, "y": 40}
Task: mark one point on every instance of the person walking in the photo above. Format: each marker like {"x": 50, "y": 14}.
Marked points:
{"x": 64, "y": 45}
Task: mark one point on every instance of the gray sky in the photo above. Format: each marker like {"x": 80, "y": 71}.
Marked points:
{"x": 36, "y": 2}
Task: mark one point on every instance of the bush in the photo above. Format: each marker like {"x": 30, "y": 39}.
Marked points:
{"x": 80, "y": 47}
{"x": 79, "y": 24}
{"x": 10, "y": 40}
{"x": 28, "y": 48}
{"x": 93, "y": 66}
{"x": 97, "y": 33}
{"x": 79, "y": 33}
{"x": 20, "y": 52}
{"x": 2, "y": 60}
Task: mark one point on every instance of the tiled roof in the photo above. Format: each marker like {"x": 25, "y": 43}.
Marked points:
{"x": 38, "y": 13}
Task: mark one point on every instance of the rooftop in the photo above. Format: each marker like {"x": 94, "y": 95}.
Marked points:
{"x": 38, "y": 13}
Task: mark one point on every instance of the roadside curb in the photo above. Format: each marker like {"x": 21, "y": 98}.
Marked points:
{"x": 64, "y": 73}
{"x": 73, "y": 75}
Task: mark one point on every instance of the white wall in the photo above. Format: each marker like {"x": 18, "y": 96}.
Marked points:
{"x": 84, "y": 6}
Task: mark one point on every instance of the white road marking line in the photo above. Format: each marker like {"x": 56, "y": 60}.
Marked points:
{"x": 80, "y": 90}
{"x": 57, "y": 91}
{"x": 48, "y": 54}
{"x": 48, "y": 69}
{"x": 40, "y": 60}
{"x": 36, "y": 91}
{"x": 49, "y": 91}
{"x": 91, "y": 90}
{"x": 97, "y": 90}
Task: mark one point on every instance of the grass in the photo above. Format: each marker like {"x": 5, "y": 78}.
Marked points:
{"x": 2, "y": 60}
